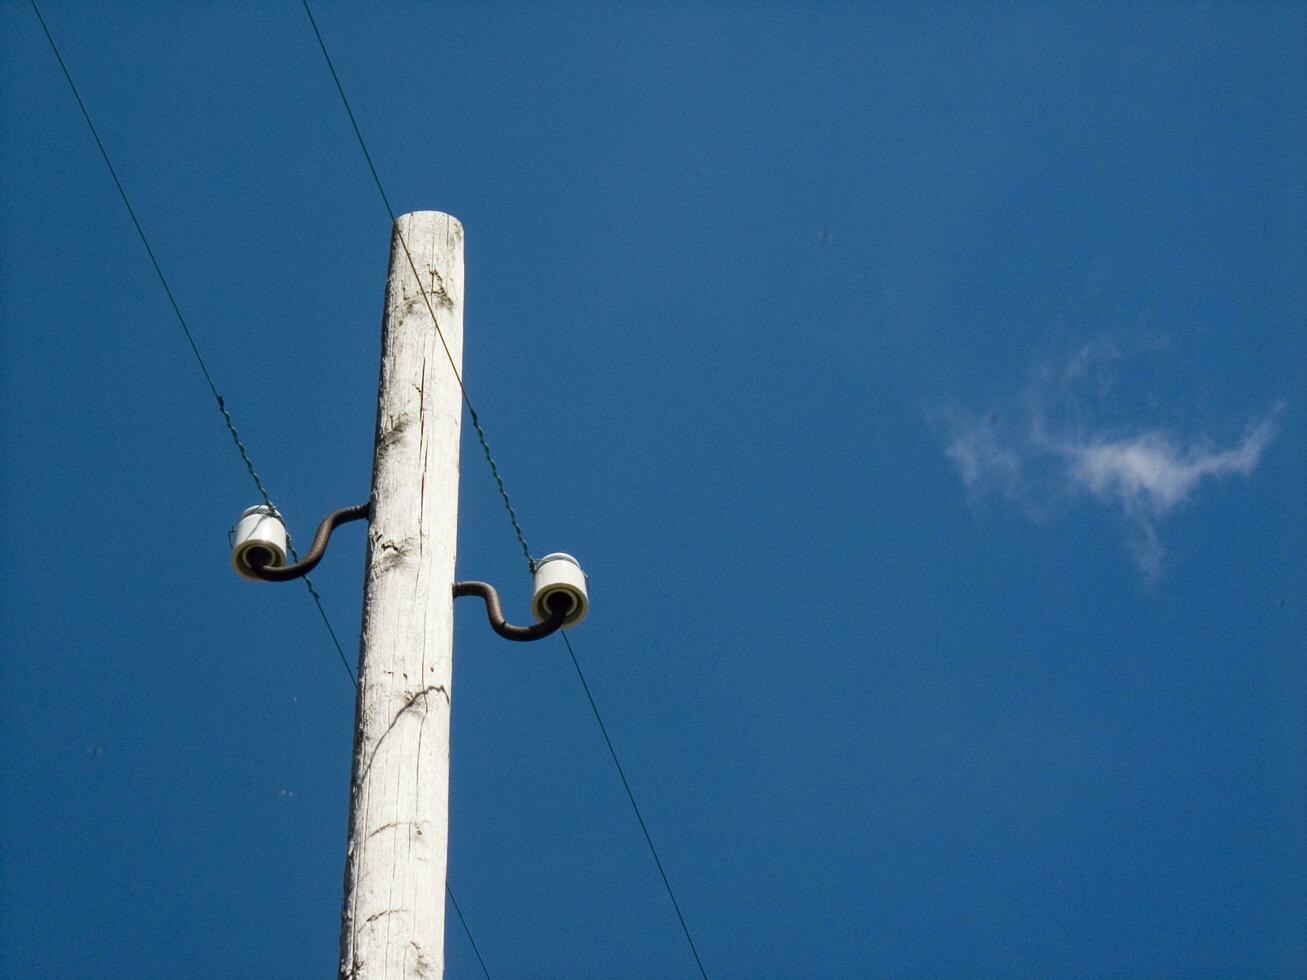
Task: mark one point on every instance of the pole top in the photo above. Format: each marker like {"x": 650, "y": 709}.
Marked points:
{"x": 427, "y": 217}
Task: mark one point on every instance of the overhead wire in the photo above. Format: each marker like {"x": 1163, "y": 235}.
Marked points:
{"x": 222, "y": 406}
{"x": 634, "y": 806}
{"x": 458, "y": 376}
{"x": 503, "y": 493}
{"x": 459, "y": 912}
{"x": 186, "y": 330}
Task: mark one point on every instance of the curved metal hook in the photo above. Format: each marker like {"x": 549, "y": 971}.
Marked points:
{"x": 285, "y": 573}
{"x": 559, "y": 606}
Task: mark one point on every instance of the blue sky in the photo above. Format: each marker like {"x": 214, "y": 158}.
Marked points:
{"x": 920, "y": 385}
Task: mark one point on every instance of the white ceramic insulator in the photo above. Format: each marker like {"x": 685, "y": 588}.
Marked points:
{"x": 559, "y": 573}
{"x": 259, "y": 527}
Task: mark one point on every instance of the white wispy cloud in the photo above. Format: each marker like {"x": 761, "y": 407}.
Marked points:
{"x": 1145, "y": 473}
{"x": 1151, "y": 473}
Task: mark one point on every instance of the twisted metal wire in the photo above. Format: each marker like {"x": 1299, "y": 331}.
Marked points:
{"x": 190, "y": 339}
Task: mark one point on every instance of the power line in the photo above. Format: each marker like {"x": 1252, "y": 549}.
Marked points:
{"x": 634, "y": 806}
{"x": 385, "y": 199}
{"x": 459, "y": 912}
{"x": 503, "y": 493}
{"x": 190, "y": 338}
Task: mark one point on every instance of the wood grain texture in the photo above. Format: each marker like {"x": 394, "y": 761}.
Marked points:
{"x": 393, "y": 919}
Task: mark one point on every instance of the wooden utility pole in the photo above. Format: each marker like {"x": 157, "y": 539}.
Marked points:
{"x": 393, "y": 919}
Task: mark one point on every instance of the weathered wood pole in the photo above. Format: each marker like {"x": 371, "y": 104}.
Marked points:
{"x": 393, "y": 919}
